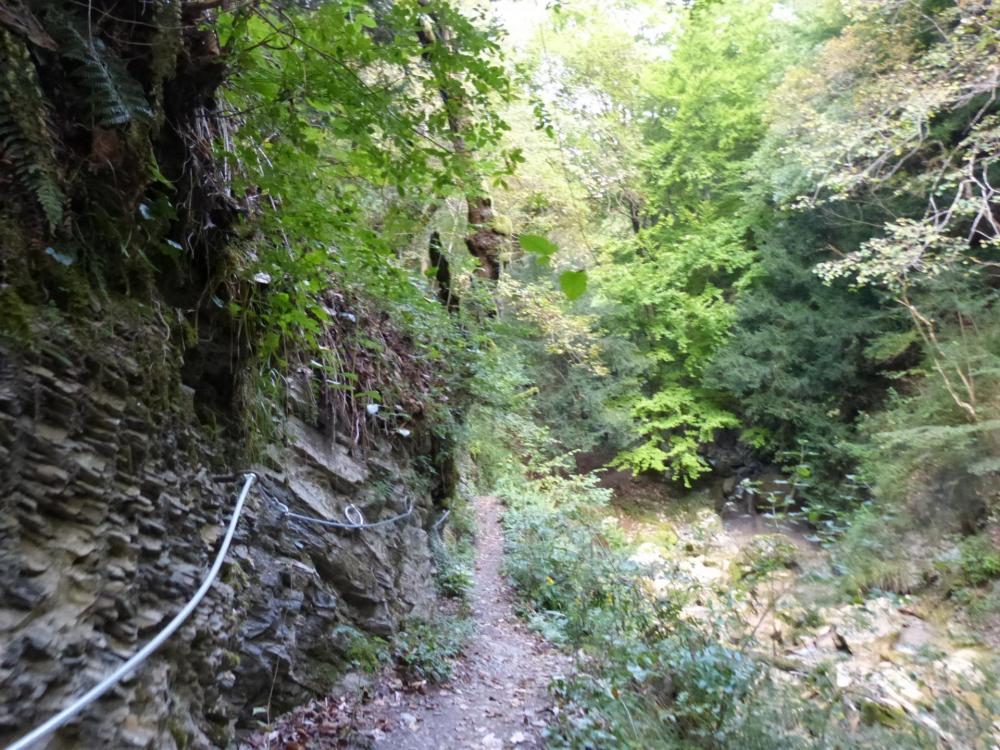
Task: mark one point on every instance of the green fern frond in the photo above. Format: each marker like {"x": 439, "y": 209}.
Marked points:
{"x": 25, "y": 139}
{"x": 113, "y": 95}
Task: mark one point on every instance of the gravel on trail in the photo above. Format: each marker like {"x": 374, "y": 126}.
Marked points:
{"x": 496, "y": 699}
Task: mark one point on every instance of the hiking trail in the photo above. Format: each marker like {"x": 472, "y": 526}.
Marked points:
{"x": 496, "y": 699}
{"x": 498, "y": 696}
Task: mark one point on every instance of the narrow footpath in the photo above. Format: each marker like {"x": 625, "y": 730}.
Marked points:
{"x": 498, "y": 697}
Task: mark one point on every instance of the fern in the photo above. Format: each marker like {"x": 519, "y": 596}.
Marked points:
{"x": 113, "y": 95}
{"x": 676, "y": 420}
{"x": 25, "y": 139}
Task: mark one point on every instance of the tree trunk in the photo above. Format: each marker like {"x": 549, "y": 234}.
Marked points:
{"x": 442, "y": 273}
{"x": 484, "y": 240}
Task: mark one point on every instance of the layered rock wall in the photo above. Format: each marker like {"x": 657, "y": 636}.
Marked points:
{"x": 110, "y": 518}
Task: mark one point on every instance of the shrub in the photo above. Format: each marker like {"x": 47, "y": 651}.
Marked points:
{"x": 648, "y": 678}
{"x": 425, "y": 650}
{"x": 765, "y": 554}
{"x": 979, "y": 559}
{"x": 452, "y": 575}
{"x": 873, "y": 554}
{"x": 453, "y": 555}
{"x": 361, "y": 650}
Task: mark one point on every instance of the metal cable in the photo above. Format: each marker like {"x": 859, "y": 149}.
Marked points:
{"x": 115, "y": 677}
{"x": 441, "y": 520}
{"x": 355, "y": 520}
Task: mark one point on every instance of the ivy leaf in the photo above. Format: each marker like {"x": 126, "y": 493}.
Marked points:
{"x": 573, "y": 283}
{"x": 536, "y": 243}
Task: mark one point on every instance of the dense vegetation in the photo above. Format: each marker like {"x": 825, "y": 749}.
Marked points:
{"x": 713, "y": 240}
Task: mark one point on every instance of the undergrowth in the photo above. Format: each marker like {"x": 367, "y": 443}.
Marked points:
{"x": 646, "y": 678}
{"x": 427, "y": 649}
{"x": 647, "y": 674}
{"x": 453, "y": 548}
{"x": 423, "y": 650}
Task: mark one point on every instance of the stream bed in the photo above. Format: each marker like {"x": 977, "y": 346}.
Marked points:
{"x": 765, "y": 588}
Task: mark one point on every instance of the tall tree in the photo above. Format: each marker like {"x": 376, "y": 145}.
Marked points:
{"x": 441, "y": 40}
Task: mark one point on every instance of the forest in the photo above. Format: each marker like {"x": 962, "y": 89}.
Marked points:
{"x": 677, "y": 318}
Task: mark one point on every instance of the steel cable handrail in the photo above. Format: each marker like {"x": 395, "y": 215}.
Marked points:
{"x": 355, "y": 520}
{"x": 146, "y": 651}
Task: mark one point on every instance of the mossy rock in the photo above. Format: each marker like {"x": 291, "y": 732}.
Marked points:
{"x": 502, "y": 224}
{"x": 878, "y": 713}
{"x": 180, "y": 734}
{"x": 359, "y": 649}
{"x": 324, "y": 676}
{"x": 661, "y": 534}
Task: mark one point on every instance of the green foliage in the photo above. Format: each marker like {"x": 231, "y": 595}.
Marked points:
{"x": 688, "y": 417}
{"x": 82, "y": 135}
{"x": 679, "y": 692}
{"x": 817, "y": 137}
{"x": 534, "y": 243}
{"x": 979, "y": 559}
{"x": 562, "y": 560}
{"x": 25, "y": 138}
{"x": 646, "y": 676}
{"x": 922, "y": 451}
{"x": 820, "y": 140}
{"x": 573, "y": 284}
{"x": 906, "y": 67}
{"x": 350, "y": 143}
{"x": 426, "y": 650}
{"x": 710, "y": 96}
{"x": 363, "y": 651}
{"x": 452, "y": 575}
{"x": 875, "y": 554}
{"x": 112, "y": 95}
{"x": 674, "y": 295}
{"x": 765, "y": 554}
{"x": 454, "y": 554}
{"x": 649, "y": 680}
{"x": 795, "y": 360}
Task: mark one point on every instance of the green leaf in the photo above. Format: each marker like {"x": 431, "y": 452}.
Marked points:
{"x": 573, "y": 283}
{"x": 536, "y": 243}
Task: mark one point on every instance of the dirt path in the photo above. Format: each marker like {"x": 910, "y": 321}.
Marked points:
{"x": 498, "y": 697}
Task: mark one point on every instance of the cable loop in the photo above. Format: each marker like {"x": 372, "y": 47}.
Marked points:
{"x": 354, "y": 516}
{"x": 441, "y": 520}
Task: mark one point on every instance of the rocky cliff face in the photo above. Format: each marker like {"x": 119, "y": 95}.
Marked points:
{"x": 111, "y": 516}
